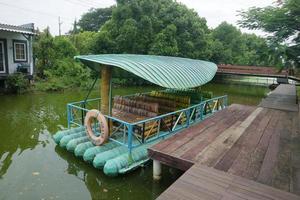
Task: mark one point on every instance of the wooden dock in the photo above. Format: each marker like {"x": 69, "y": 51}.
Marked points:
{"x": 242, "y": 152}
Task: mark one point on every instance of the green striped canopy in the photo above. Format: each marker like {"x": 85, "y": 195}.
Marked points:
{"x": 165, "y": 71}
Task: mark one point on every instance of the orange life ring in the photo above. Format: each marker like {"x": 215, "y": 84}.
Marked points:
{"x": 88, "y": 120}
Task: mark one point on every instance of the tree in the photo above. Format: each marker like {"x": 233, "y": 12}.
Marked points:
{"x": 56, "y": 66}
{"x": 83, "y": 41}
{"x": 63, "y": 48}
{"x": 165, "y": 42}
{"x": 233, "y": 43}
{"x": 94, "y": 19}
{"x": 282, "y": 21}
{"x": 163, "y": 27}
{"x": 230, "y": 46}
{"x": 75, "y": 29}
{"x": 44, "y": 51}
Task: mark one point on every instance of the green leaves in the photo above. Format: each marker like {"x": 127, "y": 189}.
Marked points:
{"x": 161, "y": 27}
{"x": 282, "y": 21}
{"x": 56, "y": 66}
{"x": 94, "y": 19}
{"x": 17, "y": 83}
{"x": 165, "y": 42}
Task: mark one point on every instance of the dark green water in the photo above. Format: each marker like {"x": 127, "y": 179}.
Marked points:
{"x": 32, "y": 167}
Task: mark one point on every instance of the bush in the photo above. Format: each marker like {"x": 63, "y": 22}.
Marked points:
{"x": 65, "y": 73}
{"x": 17, "y": 83}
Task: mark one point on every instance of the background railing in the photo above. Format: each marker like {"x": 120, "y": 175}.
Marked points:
{"x": 135, "y": 134}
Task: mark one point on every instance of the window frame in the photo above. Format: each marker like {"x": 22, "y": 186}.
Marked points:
{"x": 5, "y": 56}
{"x": 23, "y": 42}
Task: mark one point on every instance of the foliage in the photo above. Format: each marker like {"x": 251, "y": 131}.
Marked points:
{"x": 65, "y": 74}
{"x": 17, "y": 83}
{"x": 83, "y": 42}
{"x": 61, "y": 70}
{"x": 161, "y": 27}
{"x": 231, "y": 46}
{"x": 94, "y": 19}
{"x": 44, "y": 52}
{"x": 49, "y": 49}
{"x": 231, "y": 39}
{"x": 63, "y": 48}
{"x": 282, "y": 21}
{"x": 165, "y": 42}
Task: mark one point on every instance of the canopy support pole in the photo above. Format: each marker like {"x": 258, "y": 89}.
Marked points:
{"x": 106, "y": 93}
{"x": 110, "y": 98}
{"x": 106, "y": 73}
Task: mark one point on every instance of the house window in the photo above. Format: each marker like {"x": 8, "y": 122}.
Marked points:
{"x": 2, "y": 57}
{"x": 20, "y": 51}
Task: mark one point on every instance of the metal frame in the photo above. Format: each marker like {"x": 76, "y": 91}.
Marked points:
{"x": 184, "y": 118}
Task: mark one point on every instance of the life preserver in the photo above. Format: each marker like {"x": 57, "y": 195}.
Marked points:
{"x": 88, "y": 120}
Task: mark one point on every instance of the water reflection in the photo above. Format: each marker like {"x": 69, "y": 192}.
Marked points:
{"x": 136, "y": 185}
{"x": 23, "y": 121}
{"x": 33, "y": 167}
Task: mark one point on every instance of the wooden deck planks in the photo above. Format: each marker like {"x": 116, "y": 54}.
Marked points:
{"x": 201, "y": 182}
{"x": 238, "y": 153}
{"x": 207, "y": 137}
{"x": 227, "y": 160}
{"x": 252, "y": 137}
{"x": 282, "y": 174}
{"x": 218, "y": 148}
{"x": 270, "y": 159}
{"x": 295, "y": 156}
{"x": 187, "y": 144}
{"x": 258, "y": 154}
{"x": 284, "y": 97}
{"x": 182, "y": 138}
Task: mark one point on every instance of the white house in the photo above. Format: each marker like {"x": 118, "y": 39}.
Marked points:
{"x": 16, "y": 49}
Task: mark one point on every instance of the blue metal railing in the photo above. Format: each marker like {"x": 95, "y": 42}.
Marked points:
{"x": 133, "y": 135}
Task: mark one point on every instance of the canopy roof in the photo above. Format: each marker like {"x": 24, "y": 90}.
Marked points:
{"x": 165, "y": 71}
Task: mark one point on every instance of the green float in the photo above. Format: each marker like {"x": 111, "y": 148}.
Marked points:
{"x": 81, "y": 148}
{"x": 72, "y": 144}
{"x": 60, "y": 134}
{"x": 64, "y": 141}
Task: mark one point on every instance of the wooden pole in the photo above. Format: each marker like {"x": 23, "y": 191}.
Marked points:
{"x": 106, "y": 75}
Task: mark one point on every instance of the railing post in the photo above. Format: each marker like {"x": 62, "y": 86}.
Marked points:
{"x": 143, "y": 132}
{"x": 201, "y": 111}
{"x": 129, "y": 140}
{"x": 187, "y": 113}
{"x": 158, "y": 127}
{"x": 226, "y": 101}
{"x": 82, "y": 113}
{"x": 68, "y": 115}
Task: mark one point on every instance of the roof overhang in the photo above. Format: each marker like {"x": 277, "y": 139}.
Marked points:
{"x": 165, "y": 71}
{"x": 24, "y": 29}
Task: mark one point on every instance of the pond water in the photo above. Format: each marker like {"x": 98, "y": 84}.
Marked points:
{"x": 33, "y": 167}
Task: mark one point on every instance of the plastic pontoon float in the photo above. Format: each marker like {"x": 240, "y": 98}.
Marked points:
{"x": 138, "y": 121}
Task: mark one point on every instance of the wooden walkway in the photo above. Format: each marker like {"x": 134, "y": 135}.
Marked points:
{"x": 255, "y": 145}
{"x": 204, "y": 183}
{"x": 283, "y": 98}
{"x": 271, "y": 72}
{"x": 251, "y": 70}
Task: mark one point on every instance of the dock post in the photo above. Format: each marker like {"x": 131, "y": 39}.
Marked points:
{"x": 156, "y": 170}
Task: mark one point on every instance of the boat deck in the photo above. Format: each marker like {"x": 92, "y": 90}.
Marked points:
{"x": 255, "y": 145}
